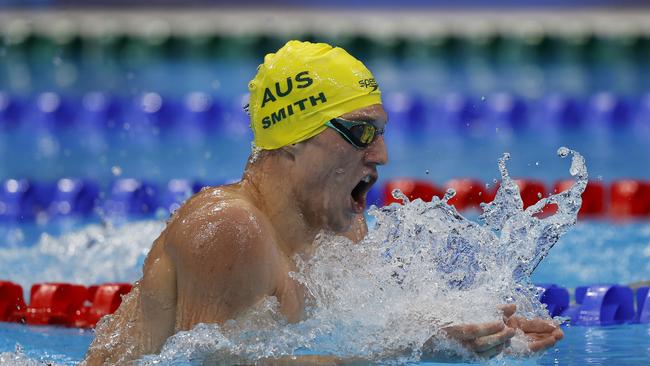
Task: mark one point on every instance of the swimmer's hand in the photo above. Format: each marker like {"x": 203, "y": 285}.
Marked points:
{"x": 540, "y": 333}
{"x": 483, "y": 340}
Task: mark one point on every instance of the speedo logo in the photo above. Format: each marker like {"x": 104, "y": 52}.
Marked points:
{"x": 369, "y": 83}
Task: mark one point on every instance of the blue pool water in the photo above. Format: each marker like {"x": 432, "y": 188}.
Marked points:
{"x": 617, "y": 345}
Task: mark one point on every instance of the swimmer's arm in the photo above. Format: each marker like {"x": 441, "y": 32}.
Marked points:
{"x": 158, "y": 297}
{"x": 223, "y": 264}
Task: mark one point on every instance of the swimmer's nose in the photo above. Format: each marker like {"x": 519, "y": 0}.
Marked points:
{"x": 376, "y": 153}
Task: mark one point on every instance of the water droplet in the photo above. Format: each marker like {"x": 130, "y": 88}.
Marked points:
{"x": 116, "y": 170}
{"x": 426, "y": 172}
{"x": 563, "y": 152}
{"x": 537, "y": 163}
{"x": 449, "y": 194}
{"x": 539, "y": 194}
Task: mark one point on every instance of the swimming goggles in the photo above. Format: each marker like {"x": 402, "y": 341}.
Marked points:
{"x": 358, "y": 133}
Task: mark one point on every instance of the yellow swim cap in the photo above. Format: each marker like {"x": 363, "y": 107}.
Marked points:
{"x": 301, "y": 87}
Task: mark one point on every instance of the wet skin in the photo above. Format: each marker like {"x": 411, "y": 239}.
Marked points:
{"x": 229, "y": 247}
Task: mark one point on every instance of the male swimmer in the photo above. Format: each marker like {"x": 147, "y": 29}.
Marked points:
{"x": 318, "y": 122}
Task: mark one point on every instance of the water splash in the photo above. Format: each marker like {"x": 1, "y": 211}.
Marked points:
{"x": 95, "y": 254}
{"x": 422, "y": 266}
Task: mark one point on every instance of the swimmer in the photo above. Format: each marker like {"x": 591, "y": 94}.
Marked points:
{"x": 318, "y": 123}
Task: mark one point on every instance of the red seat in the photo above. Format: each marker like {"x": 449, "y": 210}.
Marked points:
{"x": 412, "y": 188}
{"x": 54, "y": 303}
{"x": 469, "y": 193}
{"x": 593, "y": 198}
{"x": 629, "y": 198}
{"x": 106, "y": 300}
{"x": 11, "y": 301}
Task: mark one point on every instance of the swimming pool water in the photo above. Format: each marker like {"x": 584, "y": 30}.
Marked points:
{"x": 616, "y": 345}
{"x": 592, "y": 252}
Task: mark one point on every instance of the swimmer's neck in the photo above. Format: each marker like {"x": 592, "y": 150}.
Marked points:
{"x": 270, "y": 192}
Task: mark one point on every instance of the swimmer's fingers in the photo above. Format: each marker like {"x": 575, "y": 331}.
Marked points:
{"x": 540, "y": 342}
{"x": 532, "y": 325}
{"x": 487, "y": 343}
{"x": 508, "y": 310}
{"x": 473, "y": 331}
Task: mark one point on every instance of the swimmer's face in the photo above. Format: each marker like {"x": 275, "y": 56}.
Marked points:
{"x": 335, "y": 176}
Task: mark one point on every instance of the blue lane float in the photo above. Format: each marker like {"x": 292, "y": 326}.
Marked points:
{"x": 556, "y": 298}
{"x": 643, "y": 305}
{"x": 203, "y": 111}
{"x": 604, "y": 305}
{"x": 178, "y": 190}
{"x": 22, "y": 200}
{"x": 131, "y": 197}
{"x": 74, "y": 197}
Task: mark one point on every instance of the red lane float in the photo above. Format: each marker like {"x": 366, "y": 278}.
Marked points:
{"x": 106, "y": 299}
{"x": 531, "y": 191}
{"x": 60, "y": 303}
{"x": 54, "y": 303}
{"x": 629, "y": 199}
{"x": 412, "y": 188}
{"x": 469, "y": 193}
{"x": 593, "y": 198}
{"x": 11, "y": 301}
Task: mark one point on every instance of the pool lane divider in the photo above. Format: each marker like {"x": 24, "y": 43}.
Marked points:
{"x": 28, "y": 200}
{"x": 73, "y": 305}
{"x": 62, "y": 304}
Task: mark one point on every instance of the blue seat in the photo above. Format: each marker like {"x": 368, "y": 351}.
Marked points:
{"x": 131, "y": 197}
{"x": 11, "y": 109}
{"x": 178, "y": 190}
{"x": 604, "y": 305}
{"x": 74, "y": 197}
{"x": 21, "y": 199}
{"x": 556, "y": 298}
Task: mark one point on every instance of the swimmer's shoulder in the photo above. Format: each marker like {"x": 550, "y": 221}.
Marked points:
{"x": 218, "y": 218}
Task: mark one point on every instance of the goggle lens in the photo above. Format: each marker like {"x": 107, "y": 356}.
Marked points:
{"x": 359, "y": 134}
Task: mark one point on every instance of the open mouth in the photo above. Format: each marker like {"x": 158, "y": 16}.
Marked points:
{"x": 359, "y": 192}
